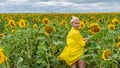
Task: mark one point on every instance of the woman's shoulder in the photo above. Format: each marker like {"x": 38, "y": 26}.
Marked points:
{"x": 72, "y": 33}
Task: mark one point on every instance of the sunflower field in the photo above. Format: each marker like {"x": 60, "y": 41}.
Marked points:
{"x": 34, "y": 40}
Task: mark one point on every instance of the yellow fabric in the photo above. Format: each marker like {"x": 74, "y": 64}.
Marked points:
{"x": 74, "y": 49}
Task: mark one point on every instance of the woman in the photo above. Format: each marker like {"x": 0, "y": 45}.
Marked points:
{"x": 75, "y": 46}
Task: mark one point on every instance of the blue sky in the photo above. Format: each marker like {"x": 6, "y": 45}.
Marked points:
{"x": 37, "y": 6}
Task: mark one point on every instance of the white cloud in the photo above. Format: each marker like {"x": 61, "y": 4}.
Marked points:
{"x": 2, "y": 4}
{"x": 54, "y": 3}
{"x": 18, "y": 0}
{"x": 57, "y": 6}
{"x": 98, "y": 5}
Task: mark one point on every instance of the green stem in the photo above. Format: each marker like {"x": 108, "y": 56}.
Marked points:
{"x": 50, "y": 44}
{"x": 48, "y": 66}
{"x": 7, "y": 64}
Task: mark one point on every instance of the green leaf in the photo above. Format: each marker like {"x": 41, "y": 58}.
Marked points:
{"x": 97, "y": 36}
{"x": 40, "y": 61}
{"x": 86, "y": 56}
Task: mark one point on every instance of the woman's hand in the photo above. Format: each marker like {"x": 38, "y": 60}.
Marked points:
{"x": 85, "y": 39}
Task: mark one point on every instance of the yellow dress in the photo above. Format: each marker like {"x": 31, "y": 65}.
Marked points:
{"x": 74, "y": 48}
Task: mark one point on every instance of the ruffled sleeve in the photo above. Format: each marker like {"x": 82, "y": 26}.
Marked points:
{"x": 75, "y": 38}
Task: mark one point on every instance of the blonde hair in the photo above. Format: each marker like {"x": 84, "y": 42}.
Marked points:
{"x": 73, "y": 19}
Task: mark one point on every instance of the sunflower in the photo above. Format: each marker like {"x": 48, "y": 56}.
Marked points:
{"x": 2, "y": 56}
{"x": 46, "y": 20}
{"x": 118, "y": 45}
{"x": 94, "y": 27}
{"x": 108, "y": 21}
{"x": 82, "y": 24}
{"x": 100, "y": 19}
{"x": 111, "y": 27}
{"x": 6, "y": 19}
{"x": 92, "y": 18}
{"x": 118, "y": 38}
{"x": 56, "y": 17}
{"x": 22, "y": 23}
{"x": 115, "y": 20}
{"x": 36, "y": 20}
{"x": 0, "y": 49}
{"x": 1, "y": 35}
{"x": 12, "y": 23}
{"x": 105, "y": 54}
{"x": 35, "y": 26}
{"x": 85, "y": 21}
{"x": 48, "y": 29}
{"x": 13, "y": 30}
{"x": 63, "y": 22}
